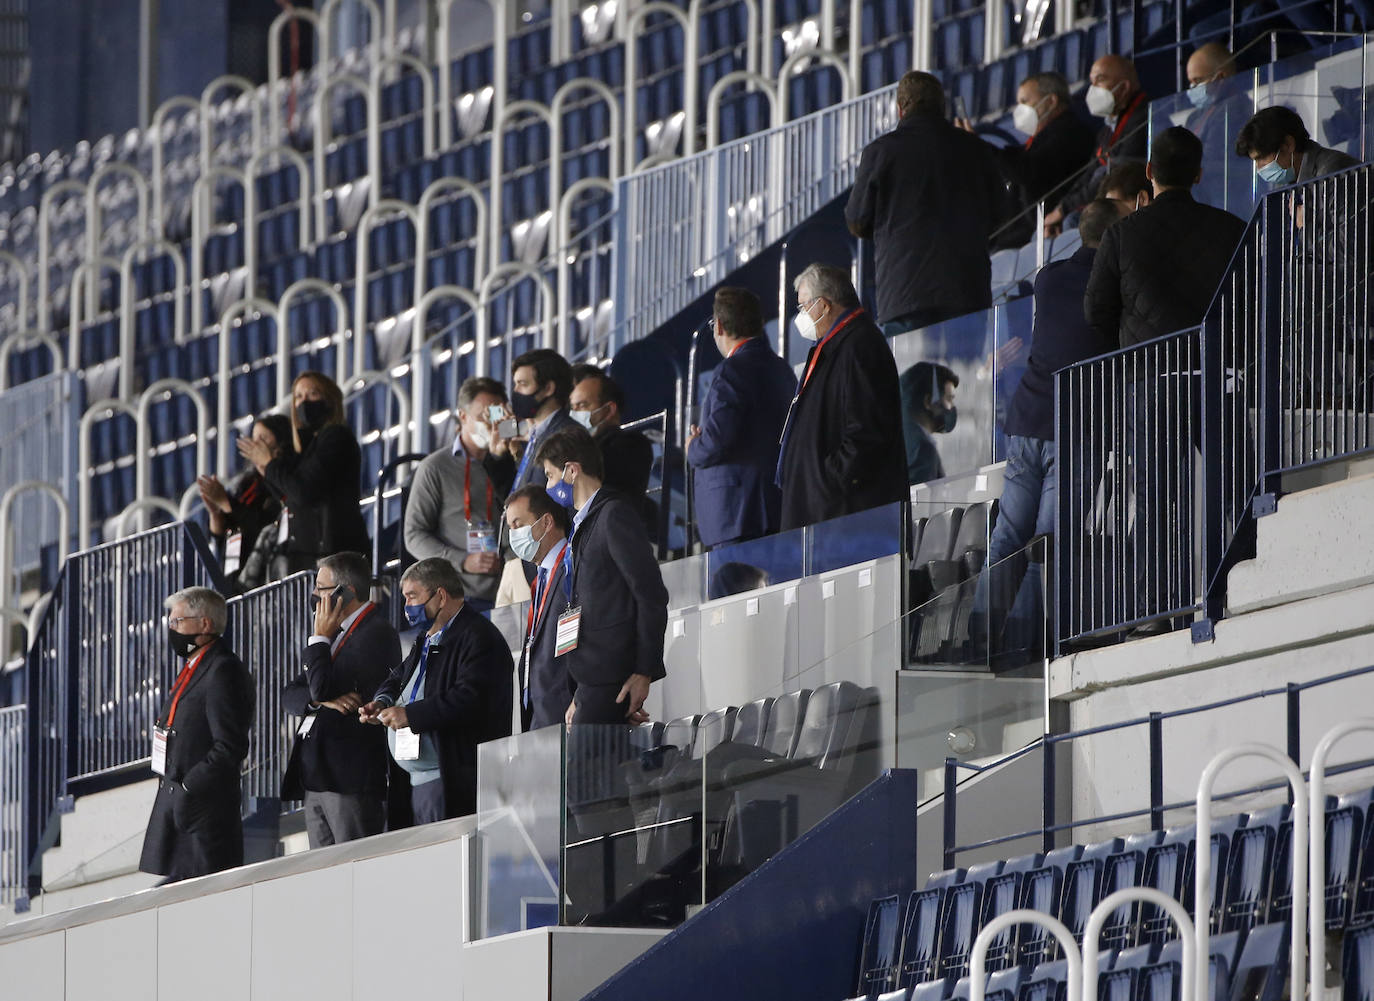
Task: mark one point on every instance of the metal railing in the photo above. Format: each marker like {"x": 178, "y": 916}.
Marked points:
{"x": 267, "y": 628}
{"x": 13, "y": 861}
{"x": 98, "y": 664}
{"x": 39, "y": 420}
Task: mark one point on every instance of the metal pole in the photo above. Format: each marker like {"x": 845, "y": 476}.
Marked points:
{"x": 1294, "y": 704}
{"x": 1156, "y": 772}
{"x": 147, "y": 60}
{"x": 951, "y": 781}
{"x": 1047, "y": 812}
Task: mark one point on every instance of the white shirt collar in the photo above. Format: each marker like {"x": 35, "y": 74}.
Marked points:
{"x": 347, "y": 623}
{"x": 458, "y": 447}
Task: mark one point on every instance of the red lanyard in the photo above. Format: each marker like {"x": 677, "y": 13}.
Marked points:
{"x": 816, "y": 354}
{"x": 736, "y": 348}
{"x": 467, "y": 490}
{"x": 362, "y": 615}
{"x": 1102, "y": 154}
{"x": 184, "y": 679}
{"x": 533, "y": 619}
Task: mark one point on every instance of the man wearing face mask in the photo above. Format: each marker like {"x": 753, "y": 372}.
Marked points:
{"x": 538, "y": 535}
{"x": 734, "y": 451}
{"x": 450, "y": 694}
{"x": 456, "y": 496}
{"x": 1114, "y": 95}
{"x": 841, "y": 449}
{"x": 598, "y": 404}
{"x": 610, "y": 617}
{"x": 1057, "y": 146}
{"x": 541, "y": 382}
{"x": 337, "y": 766}
{"x": 200, "y": 739}
{"x": 928, "y": 195}
{"x": 927, "y": 410}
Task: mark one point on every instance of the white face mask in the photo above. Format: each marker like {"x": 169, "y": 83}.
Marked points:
{"x": 479, "y": 434}
{"x": 807, "y": 326}
{"x": 524, "y": 544}
{"x": 1101, "y": 101}
{"x": 1025, "y": 119}
{"x": 584, "y": 417}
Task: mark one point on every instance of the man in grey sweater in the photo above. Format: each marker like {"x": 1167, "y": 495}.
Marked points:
{"x": 458, "y": 493}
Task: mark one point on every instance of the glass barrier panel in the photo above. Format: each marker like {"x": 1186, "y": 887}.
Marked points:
{"x": 519, "y": 819}
{"x": 748, "y": 566}
{"x": 685, "y": 580}
{"x": 1326, "y": 87}
{"x": 1228, "y": 181}
{"x": 855, "y": 538}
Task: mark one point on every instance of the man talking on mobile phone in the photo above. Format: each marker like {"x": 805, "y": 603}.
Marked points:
{"x": 337, "y": 765}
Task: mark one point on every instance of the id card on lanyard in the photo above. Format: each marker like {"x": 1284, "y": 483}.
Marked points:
{"x": 407, "y": 746}
{"x": 481, "y": 534}
{"x": 570, "y": 622}
{"x": 163, "y": 734}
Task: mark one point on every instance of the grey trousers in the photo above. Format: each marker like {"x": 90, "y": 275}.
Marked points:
{"x": 334, "y": 817}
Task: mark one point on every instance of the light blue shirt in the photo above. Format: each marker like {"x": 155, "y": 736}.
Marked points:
{"x": 581, "y": 514}
{"x": 425, "y": 768}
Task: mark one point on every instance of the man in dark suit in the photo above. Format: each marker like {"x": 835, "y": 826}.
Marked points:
{"x": 1155, "y": 273}
{"x": 598, "y": 404}
{"x": 541, "y": 382}
{"x": 611, "y": 619}
{"x": 539, "y": 535}
{"x": 734, "y": 450}
{"x": 842, "y": 449}
{"x": 337, "y": 765}
{"x": 450, "y": 694}
{"x": 199, "y": 743}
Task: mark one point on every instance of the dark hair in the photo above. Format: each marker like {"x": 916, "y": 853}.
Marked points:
{"x": 926, "y": 380}
{"x": 1051, "y": 84}
{"x": 572, "y": 444}
{"x": 280, "y": 426}
{"x": 1266, "y": 130}
{"x": 549, "y": 367}
{"x": 350, "y": 570}
{"x": 607, "y": 389}
{"x": 434, "y": 573}
{"x": 735, "y": 578}
{"x": 540, "y": 504}
{"x": 738, "y": 312}
{"x": 917, "y": 91}
{"x": 1176, "y": 158}
{"x": 1127, "y": 177}
{"x": 476, "y": 384}
{"x": 1095, "y": 219}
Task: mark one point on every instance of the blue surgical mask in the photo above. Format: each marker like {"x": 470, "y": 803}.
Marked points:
{"x": 417, "y": 616}
{"x": 561, "y": 492}
{"x": 1199, "y": 96}
{"x": 1275, "y": 173}
{"x": 523, "y": 543}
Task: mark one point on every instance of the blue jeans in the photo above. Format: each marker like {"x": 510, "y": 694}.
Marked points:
{"x": 1005, "y": 590}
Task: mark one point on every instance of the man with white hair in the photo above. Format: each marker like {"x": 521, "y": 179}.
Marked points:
{"x": 199, "y": 742}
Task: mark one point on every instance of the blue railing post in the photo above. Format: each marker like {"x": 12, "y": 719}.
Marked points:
{"x": 951, "y": 783}
{"x": 1047, "y": 812}
{"x": 1156, "y": 771}
{"x": 1272, "y": 234}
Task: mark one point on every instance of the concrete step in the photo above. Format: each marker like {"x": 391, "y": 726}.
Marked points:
{"x": 101, "y": 838}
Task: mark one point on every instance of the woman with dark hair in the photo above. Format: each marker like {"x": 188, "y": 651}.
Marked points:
{"x": 241, "y": 510}
{"x": 319, "y": 480}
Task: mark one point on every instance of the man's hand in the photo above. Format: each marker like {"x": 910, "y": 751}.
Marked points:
{"x": 255, "y": 452}
{"x": 214, "y": 495}
{"x": 394, "y": 717}
{"x": 965, "y": 124}
{"x": 636, "y": 689}
{"x": 693, "y": 433}
{"x": 1054, "y": 222}
{"x": 329, "y": 616}
{"x": 347, "y": 703}
{"x": 483, "y": 563}
{"x": 572, "y": 711}
{"x": 368, "y": 713}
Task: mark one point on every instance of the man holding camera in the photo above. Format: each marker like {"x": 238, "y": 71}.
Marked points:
{"x": 338, "y": 766}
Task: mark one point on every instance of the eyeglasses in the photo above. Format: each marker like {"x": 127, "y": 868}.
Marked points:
{"x": 711, "y": 323}
{"x": 805, "y": 307}
{"x": 174, "y": 623}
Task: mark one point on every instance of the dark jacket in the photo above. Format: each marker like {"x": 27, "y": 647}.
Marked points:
{"x": 467, "y": 701}
{"x": 198, "y": 830}
{"x": 550, "y": 688}
{"x": 1128, "y": 139}
{"x": 843, "y": 449}
{"x": 1060, "y": 336}
{"x": 322, "y": 487}
{"x": 252, "y": 506}
{"x": 528, "y": 471}
{"x": 923, "y": 462}
{"x": 338, "y": 753}
{"x": 1043, "y": 170}
{"x": 628, "y": 457}
{"x": 735, "y": 458}
{"x": 617, "y": 584}
{"x": 1158, "y": 269}
{"x": 928, "y": 195}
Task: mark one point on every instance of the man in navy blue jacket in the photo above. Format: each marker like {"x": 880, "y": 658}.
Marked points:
{"x": 1060, "y": 337}
{"x": 734, "y": 450}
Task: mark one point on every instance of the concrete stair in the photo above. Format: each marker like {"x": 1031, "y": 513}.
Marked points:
{"x": 101, "y": 839}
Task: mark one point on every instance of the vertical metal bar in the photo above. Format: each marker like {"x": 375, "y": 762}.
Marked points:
{"x": 1048, "y": 748}
{"x": 1156, "y": 771}
{"x": 1293, "y": 699}
{"x": 951, "y": 784}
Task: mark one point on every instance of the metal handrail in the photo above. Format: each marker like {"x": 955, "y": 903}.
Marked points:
{"x": 397, "y": 59}
{"x": 250, "y": 206}
{"x": 370, "y": 378}
{"x": 283, "y": 321}
{"x": 384, "y": 476}
{"x": 98, "y": 411}
{"x": 323, "y": 136}
{"x": 800, "y": 56}
{"x": 1092, "y": 933}
{"x": 690, "y": 22}
{"x": 562, "y": 237}
{"x": 419, "y": 374}
{"x": 1202, "y": 865}
{"x": 27, "y": 340}
{"x": 93, "y": 223}
{"x": 142, "y": 432}
{"x": 713, "y": 96}
{"x": 64, "y": 535}
{"x": 122, "y": 527}
{"x": 223, "y": 374}
{"x": 21, "y": 281}
{"x": 496, "y": 151}
{"x": 378, "y": 208}
{"x": 202, "y": 219}
{"x": 517, "y": 270}
{"x": 977, "y": 962}
{"x": 274, "y": 30}
{"x": 207, "y": 117}
{"x": 86, "y": 274}
{"x": 45, "y": 209}
{"x": 127, "y": 292}
{"x": 158, "y": 127}
{"x": 442, "y": 186}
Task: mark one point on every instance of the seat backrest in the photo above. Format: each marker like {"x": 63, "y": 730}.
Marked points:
{"x": 1263, "y": 964}
{"x": 878, "y": 960}
{"x": 937, "y": 538}
{"x": 1047, "y": 982}
{"x": 921, "y": 936}
{"x": 780, "y": 734}
{"x": 973, "y": 530}
{"x": 1248, "y": 874}
{"x": 959, "y": 926}
{"x": 714, "y": 729}
{"x": 829, "y": 712}
{"x": 751, "y": 722}
{"x": 1357, "y": 964}
{"x": 1083, "y": 884}
{"x": 681, "y": 733}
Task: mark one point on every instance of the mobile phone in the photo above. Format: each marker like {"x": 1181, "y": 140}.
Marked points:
{"x": 496, "y": 413}
{"x": 507, "y": 428}
{"x": 343, "y": 594}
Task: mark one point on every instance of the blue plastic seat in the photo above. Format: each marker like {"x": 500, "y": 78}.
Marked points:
{"x": 1357, "y": 965}
{"x": 1083, "y": 884}
{"x": 879, "y": 957}
{"x": 1263, "y": 965}
{"x": 1250, "y": 869}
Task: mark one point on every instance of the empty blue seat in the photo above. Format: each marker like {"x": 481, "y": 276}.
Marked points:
{"x": 1002, "y": 893}
{"x": 1122, "y": 870}
{"x": 1042, "y": 890}
{"x": 1047, "y": 982}
{"x": 1263, "y": 964}
{"x": 1083, "y": 884}
{"x": 1357, "y": 965}
{"x": 1250, "y": 870}
{"x": 879, "y": 957}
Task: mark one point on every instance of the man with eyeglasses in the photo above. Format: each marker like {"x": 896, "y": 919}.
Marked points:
{"x": 450, "y": 694}
{"x": 338, "y": 766}
{"x": 842, "y": 448}
{"x": 199, "y": 741}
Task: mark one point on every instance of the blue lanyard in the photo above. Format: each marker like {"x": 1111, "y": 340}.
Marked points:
{"x": 424, "y": 660}
{"x": 567, "y": 573}
{"x": 525, "y": 459}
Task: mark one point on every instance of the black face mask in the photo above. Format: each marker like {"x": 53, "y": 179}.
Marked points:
{"x": 312, "y": 413}
{"x": 182, "y": 645}
{"x": 945, "y": 418}
{"x": 524, "y": 405}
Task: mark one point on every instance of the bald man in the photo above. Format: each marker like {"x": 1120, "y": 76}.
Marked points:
{"x": 1114, "y": 95}
{"x": 1221, "y": 104}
